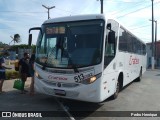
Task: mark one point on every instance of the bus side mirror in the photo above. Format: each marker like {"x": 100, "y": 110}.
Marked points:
{"x": 30, "y": 40}
{"x": 30, "y": 35}
{"x": 111, "y": 37}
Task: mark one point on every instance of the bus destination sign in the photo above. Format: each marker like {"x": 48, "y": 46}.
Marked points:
{"x": 55, "y": 30}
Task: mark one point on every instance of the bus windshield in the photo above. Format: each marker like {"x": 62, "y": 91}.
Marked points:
{"x": 65, "y": 45}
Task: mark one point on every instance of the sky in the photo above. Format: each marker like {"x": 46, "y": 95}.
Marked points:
{"x": 18, "y": 16}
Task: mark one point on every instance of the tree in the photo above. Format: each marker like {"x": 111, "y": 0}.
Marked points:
{"x": 16, "y": 38}
{"x": 3, "y": 45}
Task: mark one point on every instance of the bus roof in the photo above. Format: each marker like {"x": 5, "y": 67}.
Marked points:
{"x": 85, "y": 17}
{"x": 75, "y": 18}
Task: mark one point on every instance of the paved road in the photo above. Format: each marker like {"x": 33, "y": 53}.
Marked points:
{"x": 12, "y": 100}
{"x": 141, "y": 96}
{"x": 138, "y": 96}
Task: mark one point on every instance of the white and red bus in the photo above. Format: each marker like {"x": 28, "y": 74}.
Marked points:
{"x": 86, "y": 57}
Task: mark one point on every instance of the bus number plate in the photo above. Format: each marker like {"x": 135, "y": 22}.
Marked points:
{"x": 59, "y": 92}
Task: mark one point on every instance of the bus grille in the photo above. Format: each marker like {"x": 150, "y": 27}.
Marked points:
{"x": 50, "y": 83}
{"x": 69, "y": 85}
{"x": 68, "y": 93}
{"x": 66, "y": 85}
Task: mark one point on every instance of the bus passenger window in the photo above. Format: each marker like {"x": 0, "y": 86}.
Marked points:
{"x": 110, "y": 49}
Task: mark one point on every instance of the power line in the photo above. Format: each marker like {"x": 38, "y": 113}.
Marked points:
{"x": 133, "y": 11}
{"x": 140, "y": 27}
{"x": 126, "y": 8}
{"x": 124, "y": 1}
{"x": 137, "y": 10}
{"x": 21, "y": 12}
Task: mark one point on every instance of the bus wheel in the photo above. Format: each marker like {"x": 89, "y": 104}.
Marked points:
{"x": 115, "y": 95}
{"x": 140, "y": 76}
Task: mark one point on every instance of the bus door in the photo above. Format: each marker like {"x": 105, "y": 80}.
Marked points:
{"x": 109, "y": 58}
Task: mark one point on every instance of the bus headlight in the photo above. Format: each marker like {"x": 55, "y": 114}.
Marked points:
{"x": 91, "y": 79}
{"x": 38, "y": 76}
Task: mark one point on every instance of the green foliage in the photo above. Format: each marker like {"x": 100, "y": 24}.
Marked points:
{"x": 17, "y": 38}
{"x": 12, "y": 74}
{"x": 22, "y": 46}
{"x": 3, "y": 44}
{"x": 33, "y": 48}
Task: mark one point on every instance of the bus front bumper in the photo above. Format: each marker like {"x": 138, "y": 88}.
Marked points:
{"x": 90, "y": 92}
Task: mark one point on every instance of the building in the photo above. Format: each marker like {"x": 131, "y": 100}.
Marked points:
{"x": 156, "y": 54}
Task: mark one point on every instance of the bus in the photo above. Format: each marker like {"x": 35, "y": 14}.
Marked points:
{"x": 86, "y": 57}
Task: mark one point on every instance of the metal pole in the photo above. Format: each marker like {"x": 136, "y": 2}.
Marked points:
{"x": 48, "y": 13}
{"x": 152, "y": 37}
{"x": 156, "y": 41}
{"x": 48, "y": 8}
{"x": 101, "y": 6}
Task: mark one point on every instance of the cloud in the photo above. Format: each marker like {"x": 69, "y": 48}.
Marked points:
{"x": 26, "y": 14}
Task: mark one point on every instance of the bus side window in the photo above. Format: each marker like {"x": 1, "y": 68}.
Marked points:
{"x": 109, "y": 48}
{"x": 111, "y": 41}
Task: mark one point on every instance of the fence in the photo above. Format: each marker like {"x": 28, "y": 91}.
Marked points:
{"x": 22, "y": 51}
{"x": 12, "y": 55}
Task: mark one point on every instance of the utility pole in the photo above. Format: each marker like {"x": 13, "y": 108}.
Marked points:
{"x": 155, "y": 40}
{"x": 48, "y": 8}
{"x": 101, "y": 6}
{"x": 152, "y": 37}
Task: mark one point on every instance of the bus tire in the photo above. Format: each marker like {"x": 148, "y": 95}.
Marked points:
{"x": 140, "y": 76}
{"x": 115, "y": 95}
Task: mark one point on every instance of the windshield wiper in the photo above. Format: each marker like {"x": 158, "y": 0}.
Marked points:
{"x": 75, "y": 68}
{"x": 48, "y": 56}
{"x": 73, "y": 65}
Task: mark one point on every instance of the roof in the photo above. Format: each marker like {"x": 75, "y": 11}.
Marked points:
{"x": 75, "y": 18}
{"x": 83, "y": 17}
